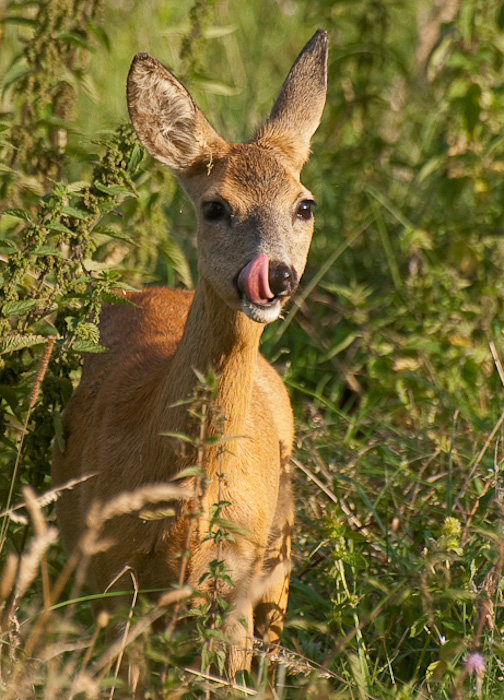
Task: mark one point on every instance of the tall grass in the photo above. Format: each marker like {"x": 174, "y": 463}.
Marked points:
{"x": 392, "y": 353}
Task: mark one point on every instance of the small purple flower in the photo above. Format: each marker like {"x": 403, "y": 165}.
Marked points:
{"x": 475, "y": 664}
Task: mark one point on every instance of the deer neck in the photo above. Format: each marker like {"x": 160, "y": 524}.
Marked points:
{"x": 222, "y": 340}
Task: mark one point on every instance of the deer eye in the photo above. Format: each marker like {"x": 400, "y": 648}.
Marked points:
{"x": 213, "y": 211}
{"x": 304, "y": 210}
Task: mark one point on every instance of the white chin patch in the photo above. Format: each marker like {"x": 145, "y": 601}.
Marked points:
{"x": 261, "y": 313}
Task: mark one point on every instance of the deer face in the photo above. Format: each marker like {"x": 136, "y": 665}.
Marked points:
{"x": 255, "y": 218}
{"x": 255, "y": 224}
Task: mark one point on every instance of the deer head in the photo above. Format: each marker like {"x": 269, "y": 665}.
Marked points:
{"x": 255, "y": 219}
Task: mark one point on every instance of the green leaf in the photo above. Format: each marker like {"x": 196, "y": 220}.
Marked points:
{"x": 179, "y": 436}
{"x": 88, "y": 346}
{"x": 58, "y": 226}
{"x": 49, "y": 250}
{"x": 75, "y": 39}
{"x": 18, "y": 214}
{"x": 18, "y": 308}
{"x": 189, "y": 472}
{"x": 178, "y": 262}
{"x": 14, "y": 73}
{"x": 136, "y": 157}
{"x": 110, "y": 298}
{"x": 18, "y": 341}
{"x": 100, "y": 34}
{"x": 75, "y": 213}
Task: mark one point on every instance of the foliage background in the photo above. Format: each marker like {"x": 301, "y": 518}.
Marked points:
{"x": 391, "y": 353}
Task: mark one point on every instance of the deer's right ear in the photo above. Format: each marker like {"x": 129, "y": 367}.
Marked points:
{"x": 167, "y": 121}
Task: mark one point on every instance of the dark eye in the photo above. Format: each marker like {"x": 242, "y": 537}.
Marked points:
{"x": 304, "y": 210}
{"x": 212, "y": 211}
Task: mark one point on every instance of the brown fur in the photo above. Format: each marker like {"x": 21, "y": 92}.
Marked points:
{"x": 128, "y": 397}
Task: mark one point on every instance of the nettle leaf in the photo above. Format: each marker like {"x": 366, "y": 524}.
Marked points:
{"x": 18, "y": 214}
{"x": 18, "y": 341}
{"x": 88, "y": 346}
{"x": 58, "y": 226}
{"x": 75, "y": 213}
{"x": 49, "y": 250}
{"x": 18, "y": 308}
{"x": 110, "y": 298}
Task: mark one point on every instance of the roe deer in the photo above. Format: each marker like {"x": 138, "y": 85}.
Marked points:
{"x": 254, "y": 229}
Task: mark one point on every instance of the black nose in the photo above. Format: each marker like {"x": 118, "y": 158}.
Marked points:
{"x": 282, "y": 279}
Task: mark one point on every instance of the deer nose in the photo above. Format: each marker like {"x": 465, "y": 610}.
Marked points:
{"x": 282, "y": 278}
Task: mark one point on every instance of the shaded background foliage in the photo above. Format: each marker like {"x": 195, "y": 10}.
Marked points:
{"x": 392, "y": 349}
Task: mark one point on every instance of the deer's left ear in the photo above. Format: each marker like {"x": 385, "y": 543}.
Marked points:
{"x": 298, "y": 109}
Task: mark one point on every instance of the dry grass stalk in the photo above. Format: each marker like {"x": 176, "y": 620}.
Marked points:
{"x": 30, "y": 560}
{"x": 8, "y": 576}
{"x": 221, "y": 682}
{"x": 127, "y": 626}
{"x": 41, "y": 371}
{"x": 43, "y": 500}
{"x": 145, "y": 623}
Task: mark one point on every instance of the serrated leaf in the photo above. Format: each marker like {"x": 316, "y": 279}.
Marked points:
{"x": 58, "y": 226}
{"x": 7, "y": 243}
{"x": 75, "y": 213}
{"x": 17, "y": 341}
{"x": 97, "y": 266}
{"x": 49, "y": 250}
{"x": 88, "y": 346}
{"x": 110, "y": 298}
{"x": 77, "y": 186}
{"x": 17, "y": 214}
{"x": 18, "y": 308}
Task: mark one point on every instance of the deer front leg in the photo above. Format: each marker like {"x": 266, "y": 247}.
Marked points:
{"x": 272, "y": 589}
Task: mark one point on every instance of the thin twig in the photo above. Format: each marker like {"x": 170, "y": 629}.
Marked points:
{"x": 221, "y": 681}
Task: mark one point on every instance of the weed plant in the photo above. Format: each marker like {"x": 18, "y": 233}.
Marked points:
{"x": 392, "y": 351}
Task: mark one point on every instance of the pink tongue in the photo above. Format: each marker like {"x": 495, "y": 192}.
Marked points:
{"x": 253, "y": 280}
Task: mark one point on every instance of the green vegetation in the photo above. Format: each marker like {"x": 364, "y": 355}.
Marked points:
{"x": 392, "y": 353}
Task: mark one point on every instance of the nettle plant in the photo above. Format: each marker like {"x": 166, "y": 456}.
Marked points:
{"x": 63, "y": 241}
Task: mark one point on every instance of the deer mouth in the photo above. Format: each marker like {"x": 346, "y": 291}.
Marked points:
{"x": 261, "y": 293}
